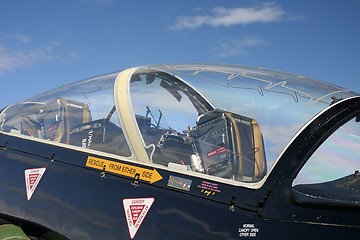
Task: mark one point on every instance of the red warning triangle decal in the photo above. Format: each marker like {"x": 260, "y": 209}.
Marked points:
{"x": 135, "y": 212}
{"x": 32, "y": 179}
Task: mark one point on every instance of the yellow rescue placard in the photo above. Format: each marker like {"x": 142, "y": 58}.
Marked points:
{"x": 147, "y": 175}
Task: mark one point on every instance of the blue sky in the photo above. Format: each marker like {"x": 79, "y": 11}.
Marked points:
{"x": 45, "y": 44}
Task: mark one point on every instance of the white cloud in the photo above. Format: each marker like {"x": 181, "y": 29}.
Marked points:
{"x": 19, "y": 50}
{"x": 232, "y": 16}
{"x": 52, "y": 46}
{"x": 19, "y": 37}
{"x": 11, "y": 59}
{"x": 236, "y": 47}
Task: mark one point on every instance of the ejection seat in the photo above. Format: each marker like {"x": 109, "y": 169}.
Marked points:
{"x": 222, "y": 144}
{"x": 230, "y": 145}
{"x": 54, "y": 120}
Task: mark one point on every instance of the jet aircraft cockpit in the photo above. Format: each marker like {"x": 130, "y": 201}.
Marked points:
{"x": 226, "y": 122}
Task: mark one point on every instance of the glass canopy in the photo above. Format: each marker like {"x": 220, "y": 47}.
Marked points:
{"x": 231, "y": 122}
